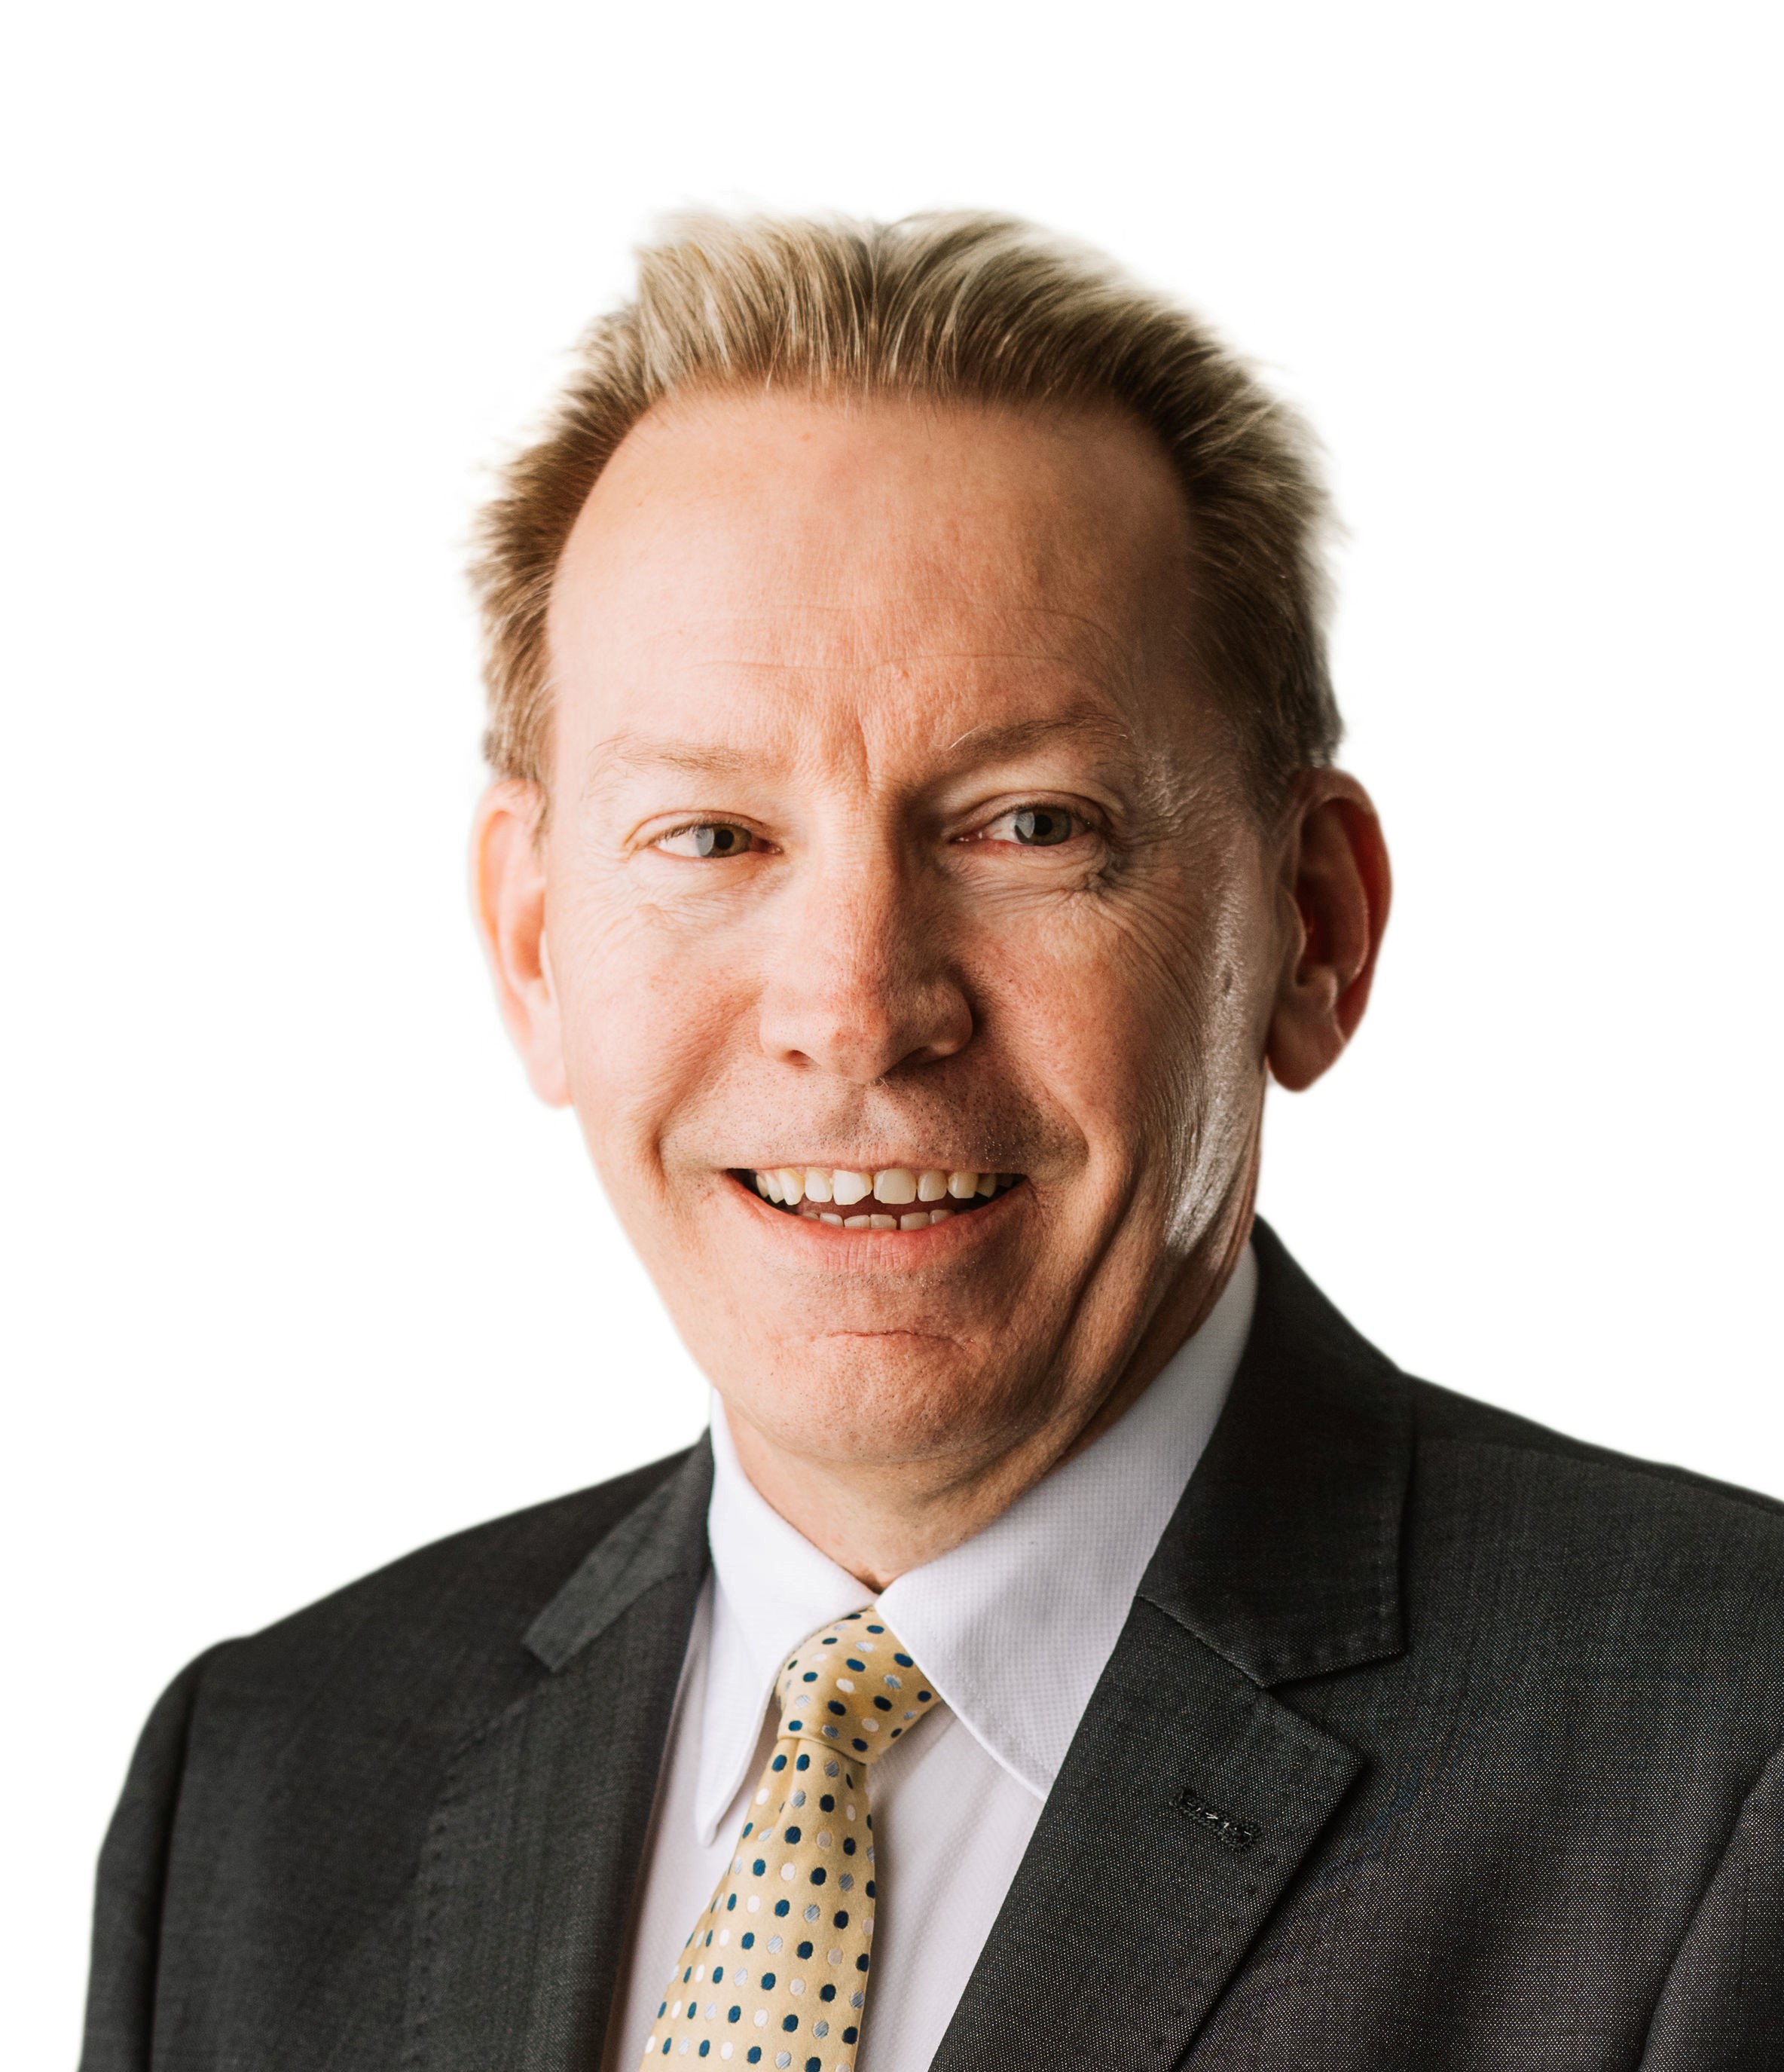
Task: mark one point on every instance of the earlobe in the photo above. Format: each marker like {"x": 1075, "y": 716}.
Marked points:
{"x": 1338, "y": 888}
{"x": 508, "y": 880}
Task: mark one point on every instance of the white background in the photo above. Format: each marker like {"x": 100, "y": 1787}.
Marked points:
{"x": 297, "y": 1276}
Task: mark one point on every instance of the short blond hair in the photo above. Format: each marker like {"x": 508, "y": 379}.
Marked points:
{"x": 965, "y": 308}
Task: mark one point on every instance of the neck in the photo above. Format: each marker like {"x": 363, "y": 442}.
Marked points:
{"x": 880, "y": 1519}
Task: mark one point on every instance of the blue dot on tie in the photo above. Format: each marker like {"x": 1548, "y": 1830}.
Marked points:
{"x": 755, "y": 2057}
{"x": 854, "y": 1664}
{"x": 838, "y": 1708}
{"x": 780, "y": 1762}
{"x": 840, "y": 1918}
{"x": 759, "y": 1866}
{"x": 805, "y": 1763}
{"x": 734, "y": 2015}
{"x": 790, "y": 2022}
{"x": 804, "y": 1950}
{"x": 793, "y": 1834}
{"x": 861, "y": 1962}
{"x": 767, "y": 1982}
{"x": 782, "y": 1905}
{"x": 848, "y": 2035}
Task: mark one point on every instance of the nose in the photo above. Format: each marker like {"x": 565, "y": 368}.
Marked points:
{"x": 862, "y": 983}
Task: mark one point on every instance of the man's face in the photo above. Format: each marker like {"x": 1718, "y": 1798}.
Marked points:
{"x": 889, "y": 833}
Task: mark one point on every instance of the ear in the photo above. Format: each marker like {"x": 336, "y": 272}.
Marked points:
{"x": 1336, "y": 888}
{"x": 508, "y": 865}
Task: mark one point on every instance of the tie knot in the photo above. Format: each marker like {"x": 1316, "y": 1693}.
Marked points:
{"x": 852, "y": 1686}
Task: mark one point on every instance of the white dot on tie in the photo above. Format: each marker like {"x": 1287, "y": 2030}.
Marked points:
{"x": 762, "y": 2017}
{"x": 835, "y": 1957}
{"x": 789, "y": 1872}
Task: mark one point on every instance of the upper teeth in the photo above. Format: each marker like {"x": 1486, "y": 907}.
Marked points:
{"x": 893, "y": 1184}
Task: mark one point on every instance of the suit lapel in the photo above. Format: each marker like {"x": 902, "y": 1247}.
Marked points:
{"x": 1191, "y": 1795}
{"x": 536, "y": 1840}
{"x": 1188, "y": 1800}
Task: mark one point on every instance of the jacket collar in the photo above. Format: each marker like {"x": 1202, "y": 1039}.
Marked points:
{"x": 1283, "y": 1555}
{"x": 663, "y": 1539}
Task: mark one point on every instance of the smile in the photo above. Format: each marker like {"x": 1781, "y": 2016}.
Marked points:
{"x": 901, "y": 1196}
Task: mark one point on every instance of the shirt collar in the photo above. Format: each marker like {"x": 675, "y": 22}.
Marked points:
{"x": 1014, "y": 1627}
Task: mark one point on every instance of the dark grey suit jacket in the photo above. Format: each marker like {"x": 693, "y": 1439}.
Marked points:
{"x": 1433, "y": 1740}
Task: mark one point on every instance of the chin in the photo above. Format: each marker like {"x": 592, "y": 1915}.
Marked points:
{"x": 889, "y": 1397}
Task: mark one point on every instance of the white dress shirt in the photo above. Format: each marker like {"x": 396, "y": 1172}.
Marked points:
{"x": 1013, "y": 1629}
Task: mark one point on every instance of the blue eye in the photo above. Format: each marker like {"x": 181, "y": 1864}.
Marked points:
{"x": 709, "y": 838}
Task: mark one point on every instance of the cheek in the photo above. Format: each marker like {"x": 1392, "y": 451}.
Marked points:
{"x": 645, "y": 1022}
{"x": 1140, "y": 1015}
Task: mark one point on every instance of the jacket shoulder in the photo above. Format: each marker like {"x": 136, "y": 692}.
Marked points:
{"x": 1567, "y": 1550}
{"x": 1441, "y": 1416}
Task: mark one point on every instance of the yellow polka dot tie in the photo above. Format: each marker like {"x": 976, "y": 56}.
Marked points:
{"x": 776, "y": 1972}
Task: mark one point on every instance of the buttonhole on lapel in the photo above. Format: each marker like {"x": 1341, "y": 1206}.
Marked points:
{"x": 1229, "y": 1831}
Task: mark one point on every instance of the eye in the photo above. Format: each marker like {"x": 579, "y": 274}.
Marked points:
{"x": 1035, "y": 827}
{"x": 706, "y": 838}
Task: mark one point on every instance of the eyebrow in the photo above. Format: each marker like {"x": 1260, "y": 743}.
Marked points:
{"x": 623, "y": 752}
{"x": 699, "y": 758}
{"x": 1017, "y": 735}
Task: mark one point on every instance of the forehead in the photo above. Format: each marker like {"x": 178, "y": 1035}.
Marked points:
{"x": 761, "y": 567}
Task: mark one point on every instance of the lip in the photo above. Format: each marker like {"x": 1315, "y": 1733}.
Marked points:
{"x": 878, "y": 1251}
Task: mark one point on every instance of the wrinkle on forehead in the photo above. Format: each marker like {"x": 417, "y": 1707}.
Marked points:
{"x": 1106, "y": 734}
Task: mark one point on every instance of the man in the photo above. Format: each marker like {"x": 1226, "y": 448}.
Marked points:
{"x": 914, "y": 841}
